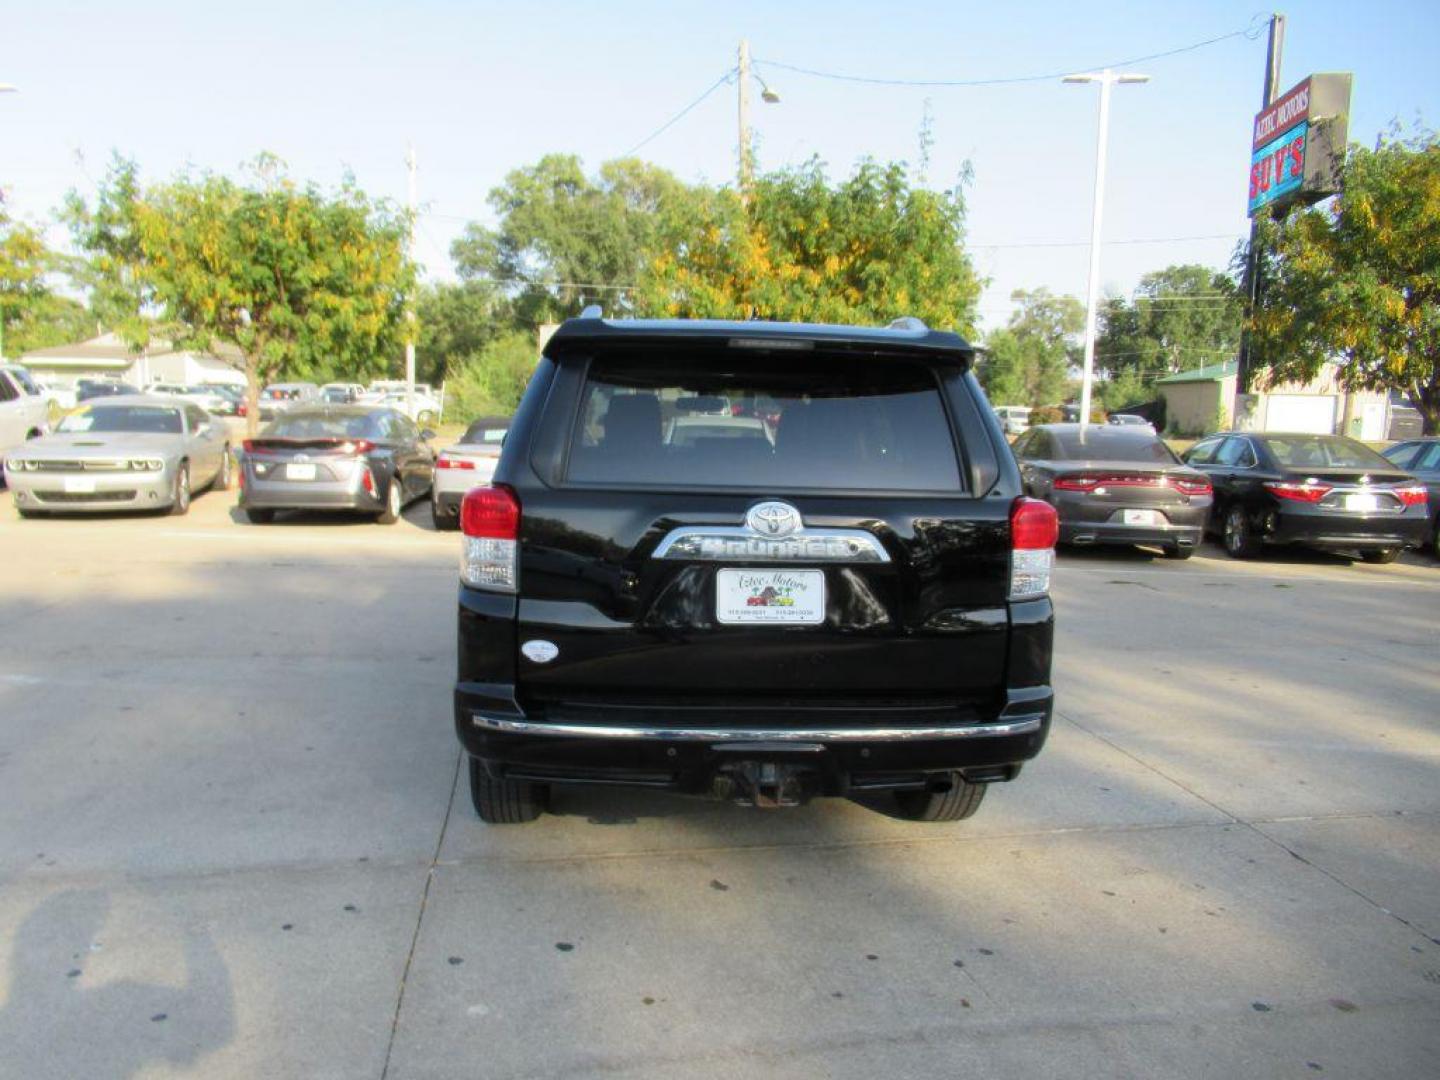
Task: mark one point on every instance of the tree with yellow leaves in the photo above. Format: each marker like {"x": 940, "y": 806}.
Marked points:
{"x": 1358, "y": 280}
{"x": 799, "y": 248}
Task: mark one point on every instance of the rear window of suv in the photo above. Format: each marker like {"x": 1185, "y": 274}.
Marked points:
{"x": 787, "y": 422}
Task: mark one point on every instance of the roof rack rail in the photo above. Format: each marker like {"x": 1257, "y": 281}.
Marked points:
{"x": 908, "y": 322}
{"x": 592, "y": 311}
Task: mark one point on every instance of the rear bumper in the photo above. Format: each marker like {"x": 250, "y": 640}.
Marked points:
{"x": 1086, "y": 532}
{"x": 669, "y": 750}
{"x": 1345, "y": 532}
{"x": 346, "y": 494}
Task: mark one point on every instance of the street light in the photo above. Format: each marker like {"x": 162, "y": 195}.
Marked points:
{"x": 1106, "y": 79}
{"x": 770, "y": 97}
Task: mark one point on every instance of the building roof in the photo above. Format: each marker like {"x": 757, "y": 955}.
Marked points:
{"x": 110, "y": 347}
{"x": 1208, "y": 373}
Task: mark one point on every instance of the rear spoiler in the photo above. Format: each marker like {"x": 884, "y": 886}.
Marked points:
{"x": 908, "y": 337}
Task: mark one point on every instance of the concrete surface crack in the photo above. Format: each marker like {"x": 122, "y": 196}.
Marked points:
{"x": 420, "y": 916}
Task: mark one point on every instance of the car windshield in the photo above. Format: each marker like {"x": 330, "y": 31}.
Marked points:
{"x": 1322, "y": 451}
{"x": 354, "y": 426}
{"x": 1114, "y": 444}
{"x": 810, "y": 421}
{"x": 115, "y": 418}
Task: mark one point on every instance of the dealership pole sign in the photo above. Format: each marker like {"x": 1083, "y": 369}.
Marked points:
{"x": 1298, "y": 144}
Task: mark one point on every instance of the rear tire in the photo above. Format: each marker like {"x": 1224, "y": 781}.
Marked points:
{"x": 1239, "y": 538}
{"x": 1383, "y": 555}
{"x": 393, "y": 503}
{"x": 957, "y": 804}
{"x": 505, "y": 802}
{"x": 259, "y": 517}
{"x": 442, "y": 521}
{"x": 1178, "y": 551}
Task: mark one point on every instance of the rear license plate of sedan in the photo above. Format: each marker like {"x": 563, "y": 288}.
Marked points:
{"x": 80, "y": 485}
{"x": 1141, "y": 517}
{"x": 1361, "y": 500}
{"x": 299, "y": 472}
{"x": 770, "y": 597}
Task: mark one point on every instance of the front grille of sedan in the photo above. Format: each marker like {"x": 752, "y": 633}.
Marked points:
{"x": 84, "y": 497}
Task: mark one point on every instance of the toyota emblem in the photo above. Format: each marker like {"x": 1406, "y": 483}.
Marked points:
{"x": 773, "y": 519}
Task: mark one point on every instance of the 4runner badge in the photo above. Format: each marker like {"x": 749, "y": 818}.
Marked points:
{"x": 773, "y": 519}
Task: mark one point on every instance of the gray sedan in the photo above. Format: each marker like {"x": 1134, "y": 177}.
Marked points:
{"x": 1115, "y": 485}
{"x": 135, "y": 452}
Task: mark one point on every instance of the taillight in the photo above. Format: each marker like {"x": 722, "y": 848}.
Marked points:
{"x": 490, "y": 521}
{"x": 1091, "y": 481}
{"x": 249, "y": 445}
{"x": 1034, "y": 529}
{"x": 1306, "y": 492}
{"x": 367, "y": 478}
{"x": 1411, "y": 496}
{"x": 1188, "y": 485}
{"x": 444, "y": 462}
{"x": 357, "y": 446}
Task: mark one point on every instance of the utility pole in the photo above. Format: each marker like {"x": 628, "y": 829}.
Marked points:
{"x": 746, "y": 164}
{"x": 410, "y": 307}
{"x": 1250, "y": 286}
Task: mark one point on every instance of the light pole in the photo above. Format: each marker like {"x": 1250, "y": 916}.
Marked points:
{"x": 770, "y": 97}
{"x": 4, "y": 89}
{"x": 1106, "y": 79}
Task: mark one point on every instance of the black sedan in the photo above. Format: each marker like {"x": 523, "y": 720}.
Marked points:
{"x": 1114, "y": 484}
{"x": 1323, "y": 491}
{"x": 344, "y": 457}
{"x": 1421, "y": 459}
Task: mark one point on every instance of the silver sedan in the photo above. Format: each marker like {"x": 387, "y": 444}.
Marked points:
{"x": 136, "y": 452}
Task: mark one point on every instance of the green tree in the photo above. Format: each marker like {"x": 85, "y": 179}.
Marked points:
{"x": 1358, "y": 280}
{"x": 491, "y": 381}
{"x": 32, "y": 314}
{"x": 121, "y": 298}
{"x": 1025, "y": 363}
{"x": 456, "y": 322}
{"x": 868, "y": 249}
{"x": 565, "y": 239}
{"x": 1180, "y": 318}
{"x": 304, "y": 283}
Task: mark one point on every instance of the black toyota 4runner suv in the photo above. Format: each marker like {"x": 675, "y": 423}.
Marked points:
{"x": 758, "y": 561}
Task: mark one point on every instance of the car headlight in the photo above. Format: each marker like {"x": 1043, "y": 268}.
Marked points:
{"x": 147, "y": 464}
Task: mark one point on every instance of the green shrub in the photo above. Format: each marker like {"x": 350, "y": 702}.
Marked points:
{"x": 490, "y": 382}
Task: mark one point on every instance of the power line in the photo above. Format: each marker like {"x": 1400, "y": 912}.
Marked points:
{"x": 1107, "y": 243}
{"x": 674, "y": 119}
{"x": 1251, "y": 31}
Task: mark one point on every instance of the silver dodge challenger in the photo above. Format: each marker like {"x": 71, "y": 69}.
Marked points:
{"x": 135, "y": 452}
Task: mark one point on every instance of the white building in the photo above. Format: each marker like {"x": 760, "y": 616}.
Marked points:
{"x": 108, "y": 357}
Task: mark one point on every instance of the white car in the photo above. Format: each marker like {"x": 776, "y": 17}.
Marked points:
{"x": 423, "y": 408}
{"x": 466, "y": 464}
{"x": 24, "y": 409}
{"x": 210, "y": 400}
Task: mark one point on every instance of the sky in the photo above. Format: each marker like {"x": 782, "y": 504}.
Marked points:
{"x": 481, "y": 89}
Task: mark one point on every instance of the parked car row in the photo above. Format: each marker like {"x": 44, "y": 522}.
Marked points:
{"x": 148, "y": 452}
{"x": 1121, "y": 484}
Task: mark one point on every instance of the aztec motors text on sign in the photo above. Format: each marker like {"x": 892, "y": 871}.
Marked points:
{"x": 1298, "y": 143}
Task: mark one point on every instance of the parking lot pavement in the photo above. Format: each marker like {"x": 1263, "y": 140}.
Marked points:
{"x": 235, "y": 842}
